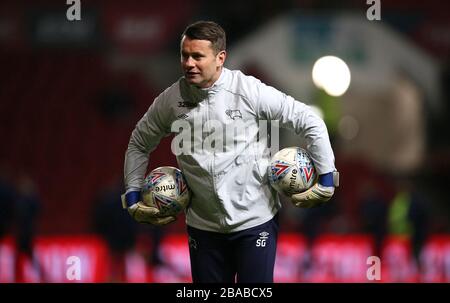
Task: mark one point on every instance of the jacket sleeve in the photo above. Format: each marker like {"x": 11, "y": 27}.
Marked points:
{"x": 297, "y": 116}
{"x": 147, "y": 134}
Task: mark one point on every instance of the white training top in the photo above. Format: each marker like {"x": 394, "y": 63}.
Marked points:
{"x": 221, "y": 156}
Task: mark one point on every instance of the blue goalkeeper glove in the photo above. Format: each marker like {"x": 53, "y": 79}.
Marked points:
{"x": 143, "y": 213}
{"x": 319, "y": 193}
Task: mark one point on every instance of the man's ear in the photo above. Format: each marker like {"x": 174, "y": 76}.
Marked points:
{"x": 221, "y": 56}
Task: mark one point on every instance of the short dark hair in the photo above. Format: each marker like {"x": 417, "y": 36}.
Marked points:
{"x": 207, "y": 30}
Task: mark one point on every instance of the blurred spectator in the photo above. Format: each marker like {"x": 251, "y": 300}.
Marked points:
{"x": 373, "y": 215}
{"x": 7, "y": 197}
{"x": 27, "y": 207}
{"x": 314, "y": 222}
{"x": 155, "y": 235}
{"x": 116, "y": 102}
{"x": 117, "y": 228}
{"x": 409, "y": 216}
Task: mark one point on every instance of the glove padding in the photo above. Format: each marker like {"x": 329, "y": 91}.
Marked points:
{"x": 315, "y": 196}
{"x": 147, "y": 214}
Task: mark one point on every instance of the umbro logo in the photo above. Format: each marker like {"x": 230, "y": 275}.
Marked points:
{"x": 264, "y": 234}
{"x": 182, "y": 116}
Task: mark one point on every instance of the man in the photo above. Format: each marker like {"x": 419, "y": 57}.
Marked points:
{"x": 233, "y": 208}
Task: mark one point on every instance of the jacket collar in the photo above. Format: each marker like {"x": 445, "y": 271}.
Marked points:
{"x": 218, "y": 84}
{"x": 193, "y": 94}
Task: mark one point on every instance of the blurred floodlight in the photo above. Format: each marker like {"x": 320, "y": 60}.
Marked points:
{"x": 331, "y": 74}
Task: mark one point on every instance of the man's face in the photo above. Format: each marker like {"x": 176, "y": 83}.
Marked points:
{"x": 201, "y": 66}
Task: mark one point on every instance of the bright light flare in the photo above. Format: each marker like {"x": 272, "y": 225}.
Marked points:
{"x": 331, "y": 74}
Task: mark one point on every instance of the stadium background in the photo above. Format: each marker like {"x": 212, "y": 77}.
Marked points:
{"x": 72, "y": 91}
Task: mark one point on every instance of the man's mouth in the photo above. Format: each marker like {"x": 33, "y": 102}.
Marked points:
{"x": 191, "y": 74}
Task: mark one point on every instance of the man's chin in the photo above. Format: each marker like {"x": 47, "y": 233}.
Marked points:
{"x": 193, "y": 81}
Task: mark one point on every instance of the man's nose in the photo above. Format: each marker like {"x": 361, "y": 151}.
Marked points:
{"x": 189, "y": 62}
